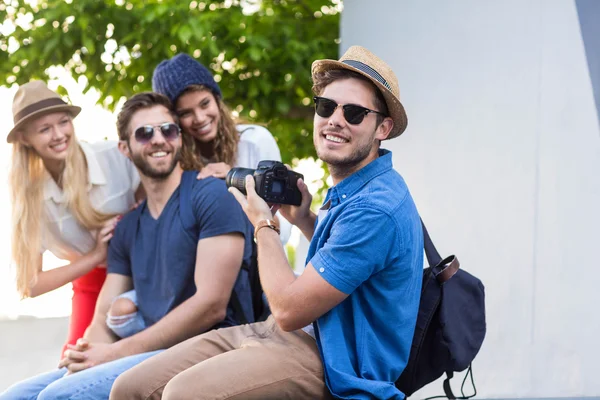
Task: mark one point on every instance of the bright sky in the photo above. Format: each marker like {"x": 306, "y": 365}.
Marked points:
{"x": 94, "y": 123}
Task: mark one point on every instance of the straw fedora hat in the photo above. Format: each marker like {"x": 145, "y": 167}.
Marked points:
{"x": 32, "y": 100}
{"x": 361, "y": 60}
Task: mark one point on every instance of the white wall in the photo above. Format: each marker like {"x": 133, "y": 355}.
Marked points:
{"x": 502, "y": 155}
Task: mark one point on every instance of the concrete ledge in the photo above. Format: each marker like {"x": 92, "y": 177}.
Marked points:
{"x": 29, "y": 346}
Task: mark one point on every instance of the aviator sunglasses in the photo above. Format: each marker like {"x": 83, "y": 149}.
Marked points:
{"x": 144, "y": 133}
{"x": 353, "y": 113}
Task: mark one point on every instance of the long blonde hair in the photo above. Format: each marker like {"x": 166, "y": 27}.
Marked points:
{"x": 27, "y": 179}
{"x": 225, "y": 144}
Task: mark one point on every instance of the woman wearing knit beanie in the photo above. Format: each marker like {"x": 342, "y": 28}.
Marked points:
{"x": 212, "y": 141}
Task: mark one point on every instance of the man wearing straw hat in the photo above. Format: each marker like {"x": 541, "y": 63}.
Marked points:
{"x": 343, "y": 328}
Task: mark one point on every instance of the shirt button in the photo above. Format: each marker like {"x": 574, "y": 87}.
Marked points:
{"x": 321, "y": 269}
{"x": 343, "y": 196}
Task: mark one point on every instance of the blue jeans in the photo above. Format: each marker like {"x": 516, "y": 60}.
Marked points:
{"x": 126, "y": 325}
{"x": 92, "y": 384}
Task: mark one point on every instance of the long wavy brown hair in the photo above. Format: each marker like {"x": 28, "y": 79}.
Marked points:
{"x": 225, "y": 144}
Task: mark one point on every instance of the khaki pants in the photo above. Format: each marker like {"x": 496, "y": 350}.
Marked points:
{"x": 256, "y": 361}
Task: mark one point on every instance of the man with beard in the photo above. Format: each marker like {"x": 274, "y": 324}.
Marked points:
{"x": 183, "y": 279}
{"x": 343, "y": 329}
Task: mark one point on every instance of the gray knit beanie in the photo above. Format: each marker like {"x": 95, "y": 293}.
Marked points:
{"x": 172, "y": 77}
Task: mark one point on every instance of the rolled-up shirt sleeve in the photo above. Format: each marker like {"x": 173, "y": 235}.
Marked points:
{"x": 216, "y": 210}
{"x": 357, "y": 248}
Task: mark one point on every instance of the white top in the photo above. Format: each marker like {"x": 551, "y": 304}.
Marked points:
{"x": 113, "y": 181}
{"x": 258, "y": 144}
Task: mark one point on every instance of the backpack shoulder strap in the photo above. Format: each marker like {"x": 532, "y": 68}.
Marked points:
{"x": 433, "y": 256}
{"x": 446, "y": 268}
{"x": 447, "y": 388}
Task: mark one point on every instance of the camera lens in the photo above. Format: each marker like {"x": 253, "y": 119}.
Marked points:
{"x": 236, "y": 178}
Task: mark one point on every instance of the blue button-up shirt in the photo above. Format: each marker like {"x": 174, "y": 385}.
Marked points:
{"x": 369, "y": 245}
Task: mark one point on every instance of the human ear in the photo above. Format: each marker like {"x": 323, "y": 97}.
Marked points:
{"x": 124, "y": 148}
{"x": 22, "y": 138}
{"x": 384, "y": 128}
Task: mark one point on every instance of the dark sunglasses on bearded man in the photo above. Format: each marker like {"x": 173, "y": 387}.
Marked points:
{"x": 145, "y": 133}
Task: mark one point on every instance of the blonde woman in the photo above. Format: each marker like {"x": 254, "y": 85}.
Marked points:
{"x": 213, "y": 142}
{"x": 66, "y": 197}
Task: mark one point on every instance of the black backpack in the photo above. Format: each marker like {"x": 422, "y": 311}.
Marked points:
{"x": 450, "y": 325}
{"x": 260, "y": 307}
{"x": 260, "y": 310}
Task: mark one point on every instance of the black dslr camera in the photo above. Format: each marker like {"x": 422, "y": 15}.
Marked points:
{"x": 274, "y": 182}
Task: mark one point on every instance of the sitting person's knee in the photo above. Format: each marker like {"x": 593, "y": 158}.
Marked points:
{"x": 123, "y": 317}
{"x": 126, "y": 386}
{"x": 122, "y": 307}
{"x": 174, "y": 391}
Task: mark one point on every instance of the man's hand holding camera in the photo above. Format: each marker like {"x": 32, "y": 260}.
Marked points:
{"x": 253, "y": 205}
{"x": 276, "y": 182}
{"x": 301, "y": 215}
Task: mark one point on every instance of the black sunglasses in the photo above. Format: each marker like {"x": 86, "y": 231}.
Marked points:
{"x": 145, "y": 133}
{"x": 354, "y": 114}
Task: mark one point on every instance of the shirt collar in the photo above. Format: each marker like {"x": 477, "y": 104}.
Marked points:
{"x": 52, "y": 191}
{"x": 95, "y": 175}
{"x": 352, "y": 184}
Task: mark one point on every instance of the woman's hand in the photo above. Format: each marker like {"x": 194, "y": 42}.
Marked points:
{"x": 218, "y": 170}
{"x": 100, "y": 252}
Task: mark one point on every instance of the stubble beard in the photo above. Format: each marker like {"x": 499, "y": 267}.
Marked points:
{"x": 147, "y": 170}
{"x": 346, "y": 166}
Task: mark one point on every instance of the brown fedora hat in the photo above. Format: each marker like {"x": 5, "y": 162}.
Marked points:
{"x": 34, "y": 99}
{"x": 361, "y": 60}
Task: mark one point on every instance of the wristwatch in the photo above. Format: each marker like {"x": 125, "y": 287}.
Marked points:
{"x": 265, "y": 223}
